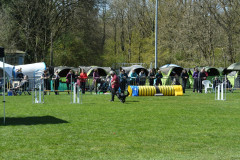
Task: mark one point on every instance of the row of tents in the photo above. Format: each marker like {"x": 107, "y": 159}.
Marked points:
{"x": 168, "y": 70}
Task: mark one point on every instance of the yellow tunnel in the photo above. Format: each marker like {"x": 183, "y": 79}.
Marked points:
{"x": 174, "y": 90}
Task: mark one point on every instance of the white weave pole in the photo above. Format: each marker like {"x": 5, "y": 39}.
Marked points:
{"x": 220, "y": 91}
{"x": 37, "y": 94}
{"x": 76, "y": 94}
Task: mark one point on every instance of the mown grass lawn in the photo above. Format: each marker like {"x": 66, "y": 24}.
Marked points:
{"x": 193, "y": 126}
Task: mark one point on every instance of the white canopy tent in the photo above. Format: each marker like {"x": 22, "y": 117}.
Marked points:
{"x": 8, "y": 69}
{"x": 33, "y": 70}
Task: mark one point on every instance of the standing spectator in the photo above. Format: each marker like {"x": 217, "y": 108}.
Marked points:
{"x": 114, "y": 84}
{"x": 133, "y": 78}
{"x": 96, "y": 79}
{"x": 69, "y": 79}
{"x": 123, "y": 80}
{"x": 19, "y": 75}
{"x": 24, "y": 84}
{"x": 55, "y": 79}
{"x": 159, "y": 76}
{"x": 202, "y": 76}
{"x": 195, "y": 78}
{"x": 76, "y": 75}
{"x": 151, "y": 77}
{"x": 206, "y": 73}
{"x": 142, "y": 77}
{"x": 216, "y": 82}
{"x": 154, "y": 71}
{"x": 83, "y": 77}
{"x": 228, "y": 85}
{"x": 184, "y": 77}
{"x": 45, "y": 76}
{"x": 175, "y": 79}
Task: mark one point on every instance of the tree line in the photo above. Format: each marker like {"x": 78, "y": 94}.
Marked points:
{"x": 105, "y": 32}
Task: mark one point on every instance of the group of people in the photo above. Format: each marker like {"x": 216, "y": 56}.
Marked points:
{"x": 121, "y": 81}
{"x": 79, "y": 79}
{"x": 225, "y": 82}
{"x": 20, "y": 81}
{"x": 140, "y": 79}
{"x": 198, "y": 77}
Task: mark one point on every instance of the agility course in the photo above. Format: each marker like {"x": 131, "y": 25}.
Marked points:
{"x": 173, "y": 90}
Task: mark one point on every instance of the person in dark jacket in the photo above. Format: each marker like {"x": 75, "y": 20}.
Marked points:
{"x": 195, "y": 80}
{"x": 123, "y": 80}
{"x": 69, "y": 79}
{"x": 56, "y": 79}
{"x": 142, "y": 78}
{"x": 96, "y": 79}
{"x": 19, "y": 75}
{"x": 159, "y": 76}
{"x": 185, "y": 78}
{"x": 45, "y": 76}
{"x": 202, "y": 76}
{"x": 151, "y": 77}
{"x": 216, "y": 82}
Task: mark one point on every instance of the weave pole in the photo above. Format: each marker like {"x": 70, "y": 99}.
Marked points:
{"x": 38, "y": 93}
{"x": 76, "y": 94}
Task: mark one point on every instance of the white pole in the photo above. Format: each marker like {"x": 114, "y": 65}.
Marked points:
{"x": 4, "y": 81}
{"x": 156, "y": 33}
{"x": 71, "y": 88}
{"x": 36, "y": 101}
{"x": 81, "y": 96}
{"x": 33, "y": 95}
{"x": 77, "y": 94}
{"x": 42, "y": 83}
{"x": 74, "y": 93}
{"x": 40, "y": 97}
{"x": 226, "y": 87}
{"x": 222, "y": 91}
{"x": 218, "y": 92}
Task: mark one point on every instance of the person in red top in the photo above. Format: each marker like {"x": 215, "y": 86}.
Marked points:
{"x": 206, "y": 73}
{"x": 114, "y": 84}
{"x": 82, "y": 80}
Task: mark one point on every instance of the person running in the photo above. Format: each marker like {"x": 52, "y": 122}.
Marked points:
{"x": 114, "y": 84}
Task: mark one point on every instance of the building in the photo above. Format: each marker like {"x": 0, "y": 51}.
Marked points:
{"x": 14, "y": 56}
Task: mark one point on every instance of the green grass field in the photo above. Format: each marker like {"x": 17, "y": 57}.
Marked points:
{"x": 193, "y": 126}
